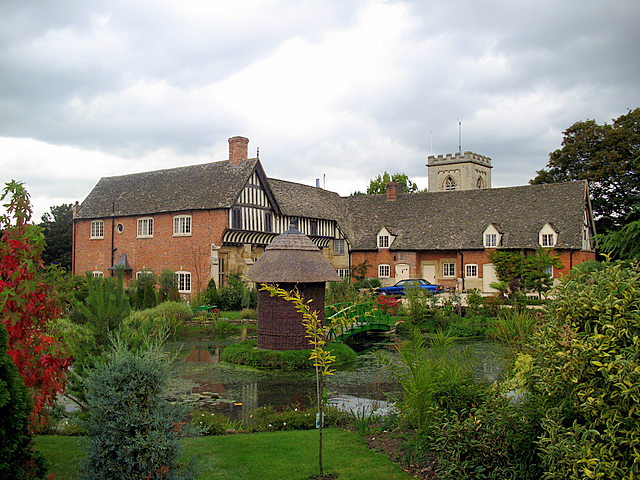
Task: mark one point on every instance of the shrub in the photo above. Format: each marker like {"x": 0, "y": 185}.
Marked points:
{"x": 586, "y": 376}
{"x": 132, "y": 431}
{"x": 18, "y": 460}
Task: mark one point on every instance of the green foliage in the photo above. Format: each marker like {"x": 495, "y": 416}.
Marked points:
{"x": 144, "y": 292}
{"x": 168, "y": 286}
{"x": 514, "y": 328}
{"x": 166, "y": 319}
{"x": 481, "y": 436}
{"x": 237, "y": 295}
{"x": 132, "y": 431}
{"x": 607, "y": 156}
{"x": 623, "y": 244}
{"x": 518, "y": 271}
{"x": 246, "y": 353}
{"x": 422, "y": 369}
{"x": 57, "y": 227}
{"x": 378, "y": 184}
{"x": 210, "y": 295}
{"x": 105, "y": 307}
{"x": 18, "y": 460}
{"x": 341, "y": 292}
{"x": 420, "y": 306}
{"x": 586, "y": 376}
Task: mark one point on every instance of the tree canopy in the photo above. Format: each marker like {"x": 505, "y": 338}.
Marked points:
{"x": 608, "y": 156}
{"x": 57, "y": 227}
{"x": 378, "y": 184}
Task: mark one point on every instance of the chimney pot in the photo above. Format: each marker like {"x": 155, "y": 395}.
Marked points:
{"x": 238, "y": 150}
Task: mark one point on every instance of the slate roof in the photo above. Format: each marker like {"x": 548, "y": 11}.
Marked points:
{"x": 457, "y": 220}
{"x": 299, "y": 200}
{"x": 196, "y": 187}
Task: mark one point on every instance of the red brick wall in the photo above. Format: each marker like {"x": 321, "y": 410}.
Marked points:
{"x": 188, "y": 253}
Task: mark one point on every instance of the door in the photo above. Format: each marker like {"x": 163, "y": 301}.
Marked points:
{"x": 429, "y": 273}
{"x": 488, "y": 277}
{"x": 402, "y": 271}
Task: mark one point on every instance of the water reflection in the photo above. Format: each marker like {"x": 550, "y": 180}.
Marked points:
{"x": 236, "y": 390}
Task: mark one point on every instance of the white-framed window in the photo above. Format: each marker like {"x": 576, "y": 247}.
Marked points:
{"x": 97, "y": 229}
{"x": 184, "y": 282}
{"x": 182, "y": 225}
{"x": 490, "y": 240}
{"x": 342, "y": 272}
{"x": 119, "y": 228}
{"x": 547, "y": 236}
{"x": 145, "y": 227}
{"x": 338, "y": 246}
{"x": 384, "y": 271}
{"x": 548, "y": 239}
{"x": 383, "y": 241}
{"x": 448, "y": 269}
{"x": 471, "y": 270}
{"x": 549, "y": 271}
{"x": 97, "y": 273}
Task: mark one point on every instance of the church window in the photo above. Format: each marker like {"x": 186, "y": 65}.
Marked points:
{"x": 449, "y": 183}
{"x": 479, "y": 183}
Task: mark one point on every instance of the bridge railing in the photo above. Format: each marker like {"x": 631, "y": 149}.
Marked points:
{"x": 356, "y": 315}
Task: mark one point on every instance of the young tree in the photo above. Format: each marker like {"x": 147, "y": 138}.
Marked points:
{"x": 27, "y": 303}
{"x": 379, "y": 183}
{"x": 317, "y": 333}
{"x": 609, "y": 157}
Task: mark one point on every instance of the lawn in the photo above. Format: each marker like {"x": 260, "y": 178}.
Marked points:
{"x": 284, "y": 455}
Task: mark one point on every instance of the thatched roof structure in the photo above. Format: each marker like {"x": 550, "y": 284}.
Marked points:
{"x": 292, "y": 258}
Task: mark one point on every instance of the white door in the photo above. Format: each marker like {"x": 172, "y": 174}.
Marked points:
{"x": 488, "y": 277}
{"x": 429, "y": 273}
{"x": 402, "y": 271}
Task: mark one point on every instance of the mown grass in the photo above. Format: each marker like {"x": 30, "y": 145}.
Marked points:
{"x": 284, "y": 455}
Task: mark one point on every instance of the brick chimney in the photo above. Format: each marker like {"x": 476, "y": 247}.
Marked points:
{"x": 393, "y": 190}
{"x": 238, "y": 150}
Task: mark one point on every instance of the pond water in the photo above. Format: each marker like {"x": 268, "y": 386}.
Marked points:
{"x": 210, "y": 385}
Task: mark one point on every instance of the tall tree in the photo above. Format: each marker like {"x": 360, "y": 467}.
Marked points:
{"x": 57, "y": 227}
{"x": 608, "y": 156}
{"x": 379, "y": 183}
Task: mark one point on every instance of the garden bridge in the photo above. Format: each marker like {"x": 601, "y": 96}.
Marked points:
{"x": 360, "y": 317}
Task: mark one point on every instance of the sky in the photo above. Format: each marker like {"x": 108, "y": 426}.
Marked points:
{"x": 340, "y": 90}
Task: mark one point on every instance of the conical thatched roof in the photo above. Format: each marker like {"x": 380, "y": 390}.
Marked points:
{"x": 292, "y": 258}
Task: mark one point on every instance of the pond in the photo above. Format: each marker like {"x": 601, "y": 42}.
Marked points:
{"x": 207, "y": 384}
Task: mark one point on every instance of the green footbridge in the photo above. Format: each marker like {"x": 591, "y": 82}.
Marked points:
{"x": 356, "y": 318}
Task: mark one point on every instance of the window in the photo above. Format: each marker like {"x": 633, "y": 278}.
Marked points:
{"x": 479, "y": 183}
{"x": 314, "y": 227}
{"x": 142, "y": 273}
{"x": 268, "y": 222}
{"x": 384, "y": 271}
{"x": 448, "y": 269}
{"x": 470, "y": 270}
{"x": 548, "y": 240}
{"x": 549, "y": 271}
{"x": 145, "y": 227}
{"x": 184, "y": 282}
{"x": 97, "y": 229}
{"x": 491, "y": 240}
{"x": 119, "y": 228}
{"x": 338, "y": 246}
{"x": 97, "y": 273}
{"x": 383, "y": 241}
{"x": 343, "y": 272}
{"x": 236, "y": 219}
{"x": 182, "y": 225}
{"x": 449, "y": 184}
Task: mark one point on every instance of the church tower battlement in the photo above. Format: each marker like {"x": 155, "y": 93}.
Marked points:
{"x": 458, "y": 171}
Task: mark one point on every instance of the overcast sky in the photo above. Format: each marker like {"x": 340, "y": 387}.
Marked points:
{"x": 334, "y": 89}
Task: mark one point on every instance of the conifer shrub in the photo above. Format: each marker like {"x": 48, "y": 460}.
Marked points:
{"x": 18, "y": 460}
{"x": 133, "y": 432}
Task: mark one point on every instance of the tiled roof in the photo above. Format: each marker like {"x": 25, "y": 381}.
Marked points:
{"x": 197, "y": 187}
{"x": 457, "y": 220}
{"x": 300, "y": 200}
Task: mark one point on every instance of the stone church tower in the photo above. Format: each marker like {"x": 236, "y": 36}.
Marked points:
{"x": 458, "y": 172}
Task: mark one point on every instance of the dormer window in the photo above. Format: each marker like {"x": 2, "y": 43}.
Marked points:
{"x": 491, "y": 237}
{"x": 385, "y": 239}
{"x": 547, "y": 237}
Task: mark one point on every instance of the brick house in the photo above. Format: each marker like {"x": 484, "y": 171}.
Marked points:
{"x": 207, "y": 221}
